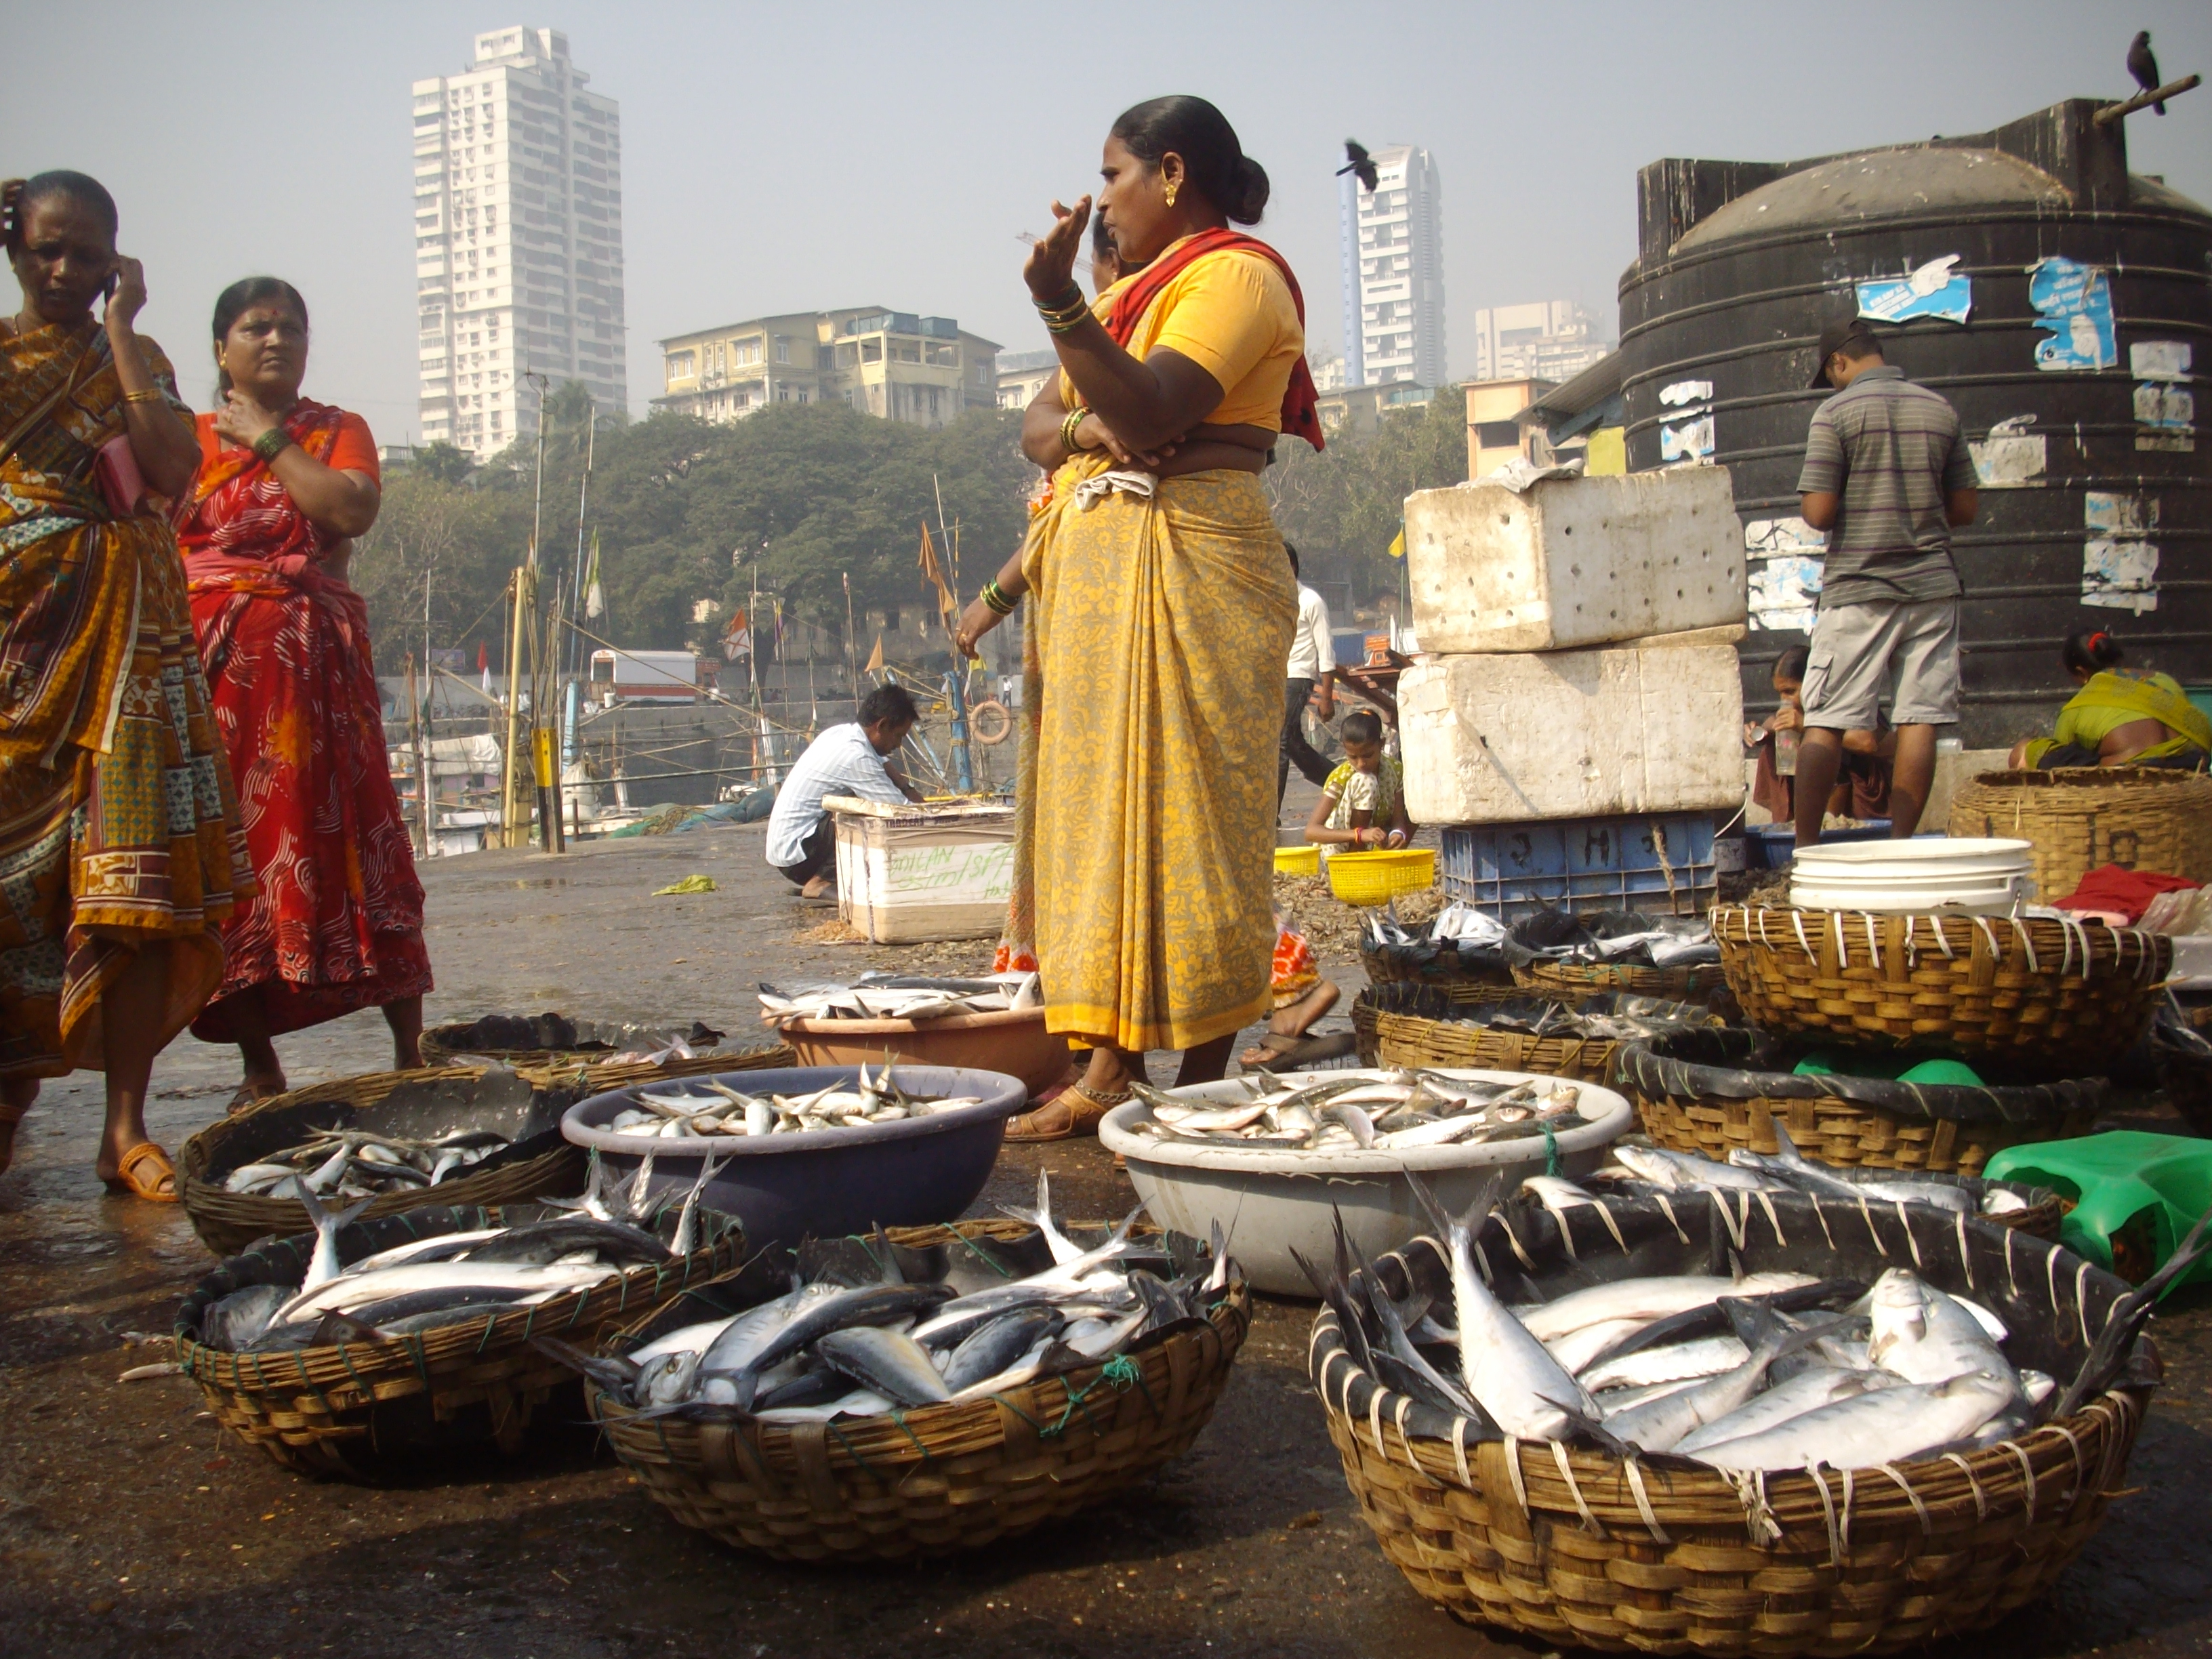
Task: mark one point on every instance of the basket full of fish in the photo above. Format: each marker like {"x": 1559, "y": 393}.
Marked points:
{"x": 924, "y": 1391}
{"x": 462, "y": 1135}
{"x": 1676, "y": 1422}
{"x": 357, "y": 1349}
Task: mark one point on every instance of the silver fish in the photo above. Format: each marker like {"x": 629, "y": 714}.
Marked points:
{"x": 1705, "y": 1356}
{"x": 1889, "y": 1425}
{"x": 1810, "y": 1390}
{"x": 1925, "y": 1336}
{"x": 894, "y": 1366}
{"x": 323, "y": 1267}
{"x": 996, "y": 1345}
{"x": 1656, "y": 1298}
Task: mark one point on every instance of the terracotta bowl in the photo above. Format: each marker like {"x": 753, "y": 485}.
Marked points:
{"x": 1013, "y": 1041}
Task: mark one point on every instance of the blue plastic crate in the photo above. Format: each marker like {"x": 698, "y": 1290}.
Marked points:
{"x": 1659, "y": 863}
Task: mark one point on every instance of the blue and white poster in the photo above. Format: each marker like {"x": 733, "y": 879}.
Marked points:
{"x": 2075, "y": 302}
{"x": 1929, "y": 290}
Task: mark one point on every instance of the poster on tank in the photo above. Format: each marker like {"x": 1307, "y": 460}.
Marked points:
{"x": 2165, "y": 407}
{"x": 2075, "y": 302}
{"x": 2120, "y": 561}
{"x": 1928, "y": 290}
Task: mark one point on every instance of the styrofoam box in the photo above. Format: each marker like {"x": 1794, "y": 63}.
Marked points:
{"x": 1574, "y": 562}
{"x": 908, "y": 873}
{"x": 1571, "y": 734}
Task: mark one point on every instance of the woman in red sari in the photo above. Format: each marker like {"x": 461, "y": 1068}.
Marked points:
{"x": 285, "y": 483}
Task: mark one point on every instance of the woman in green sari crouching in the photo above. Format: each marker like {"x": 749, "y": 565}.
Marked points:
{"x": 2120, "y": 717}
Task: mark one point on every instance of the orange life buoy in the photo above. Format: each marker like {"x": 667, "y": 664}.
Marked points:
{"x": 990, "y": 723}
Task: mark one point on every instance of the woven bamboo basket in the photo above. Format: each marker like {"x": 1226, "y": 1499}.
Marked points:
{"x": 2140, "y": 817}
{"x": 1433, "y": 1000}
{"x": 1662, "y": 1555}
{"x": 370, "y": 1410}
{"x": 938, "y": 1479}
{"x": 540, "y": 1165}
{"x": 1390, "y": 964}
{"x": 2054, "y": 994}
{"x": 1562, "y": 978}
{"x": 448, "y": 1044}
{"x": 1451, "y": 1039}
{"x": 1712, "y": 1092}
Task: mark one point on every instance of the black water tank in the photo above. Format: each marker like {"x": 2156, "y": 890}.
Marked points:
{"x": 1741, "y": 263}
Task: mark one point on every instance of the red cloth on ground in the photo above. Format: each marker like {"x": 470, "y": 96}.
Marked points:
{"x": 2112, "y": 891}
{"x": 339, "y": 922}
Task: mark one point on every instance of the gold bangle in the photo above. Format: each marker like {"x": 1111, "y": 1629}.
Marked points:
{"x": 157, "y": 396}
{"x": 1073, "y": 419}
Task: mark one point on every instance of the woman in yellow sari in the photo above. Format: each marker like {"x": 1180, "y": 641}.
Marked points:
{"x": 1161, "y": 609}
{"x": 2120, "y": 717}
{"x": 119, "y": 849}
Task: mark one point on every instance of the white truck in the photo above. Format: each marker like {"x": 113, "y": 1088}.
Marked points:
{"x": 646, "y": 677}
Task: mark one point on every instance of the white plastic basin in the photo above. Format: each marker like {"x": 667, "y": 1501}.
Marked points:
{"x": 1980, "y": 874}
{"x": 1270, "y": 1202}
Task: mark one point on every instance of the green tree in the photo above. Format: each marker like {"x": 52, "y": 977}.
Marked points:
{"x": 1348, "y": 501}
{"x": 442, "y": 462}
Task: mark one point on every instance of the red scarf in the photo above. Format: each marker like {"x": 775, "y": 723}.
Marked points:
{"x": 1301, "y": 402}
{"x": 237, "y": 507}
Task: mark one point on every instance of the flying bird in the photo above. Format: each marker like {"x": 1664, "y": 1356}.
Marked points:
{"x": 1355, "y": 159}
{"x": 2144, "y": 67}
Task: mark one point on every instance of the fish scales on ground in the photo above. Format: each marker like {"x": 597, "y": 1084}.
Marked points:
{"x": 1759, "y": 1371}
{"x": 355, "y": 1164}
{"x": 1381, "y": 1111}
{"x": 447, "y": 1278}
{"x": 898, "y": 997}
{"x": 679, "y": 1111}
{"x": 823, "y": 1350}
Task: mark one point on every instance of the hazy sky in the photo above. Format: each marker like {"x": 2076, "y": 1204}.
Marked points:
{"x": 791, "y": 157}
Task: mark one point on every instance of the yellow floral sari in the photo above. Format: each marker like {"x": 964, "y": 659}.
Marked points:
{"x": 118, "y": 823}
{"x": 1151, "y": 702}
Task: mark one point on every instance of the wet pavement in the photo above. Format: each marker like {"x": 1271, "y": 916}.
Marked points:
{"x": 129, "y": 1524}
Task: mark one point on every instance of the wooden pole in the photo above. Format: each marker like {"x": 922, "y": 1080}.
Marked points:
{"x": 2112, "y": 113}
{"x": 422, "y": 840}
{"x": 512, "y": 831}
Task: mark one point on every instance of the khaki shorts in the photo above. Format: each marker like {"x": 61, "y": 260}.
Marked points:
{"x": 1858, "y": 651}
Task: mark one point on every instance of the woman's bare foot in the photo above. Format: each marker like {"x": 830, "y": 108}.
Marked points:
{"x": 16, "y": 1095}
{"x": 818, "y": 887}
{"x": 1291, "y": 1024}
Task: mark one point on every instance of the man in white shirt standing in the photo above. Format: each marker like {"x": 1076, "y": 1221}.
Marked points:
{"x": 1313, "y": 659}
{"x": 844, "y": 760}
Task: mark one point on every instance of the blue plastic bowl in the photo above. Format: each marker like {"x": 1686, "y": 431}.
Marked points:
{"x": 824, "y": 1185}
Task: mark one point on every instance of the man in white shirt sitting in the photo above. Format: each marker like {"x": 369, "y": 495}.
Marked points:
{"x": 1313, "y": 659}
{"x": 845, "y": 760}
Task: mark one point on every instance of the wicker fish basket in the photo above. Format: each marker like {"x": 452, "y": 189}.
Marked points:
{"x": 1434, "y": 1000}
{"x": 1712, "y": 1092}
{"x": 2057, "y": 995}
{"x": 445, "y": 1045}
{"x": 1662, "y": 1555}
{"x": 938, "y": 1479}
{"x": 1571, "y": 979}
{"x": 526, "y": 1102}
{"x": 370, "y": 1410}
{"x": 2140, "y": 817}
{"x": 1448, "y": 1038}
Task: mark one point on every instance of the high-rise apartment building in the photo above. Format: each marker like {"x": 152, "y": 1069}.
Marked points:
{"x": 1392, "y": 240}
{"x": 1550, "y": 340}
{"x": 518, "y": 240}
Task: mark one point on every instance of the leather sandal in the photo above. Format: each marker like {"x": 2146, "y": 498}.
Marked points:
{"x": 1073, "y": 1111}
{"x": 132, "y": 1176}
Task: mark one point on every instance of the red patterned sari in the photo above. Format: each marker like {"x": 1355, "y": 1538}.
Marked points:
{"x": 339, "y": 922}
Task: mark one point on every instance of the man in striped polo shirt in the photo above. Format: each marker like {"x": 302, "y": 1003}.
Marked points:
{"x": 1887, "y": 475}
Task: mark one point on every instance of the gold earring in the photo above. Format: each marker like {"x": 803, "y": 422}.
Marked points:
{"x": 1171, "y": 194}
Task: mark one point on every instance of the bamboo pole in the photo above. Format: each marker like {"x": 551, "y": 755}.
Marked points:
{"x": 2112, "y": 113}
{"x": 513, "y": 833}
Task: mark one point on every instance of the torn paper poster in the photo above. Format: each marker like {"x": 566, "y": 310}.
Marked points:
{"x": 1931, "y": 290}
{"x": 2075, "y": 302}
{"x": 1689, "y": 442}
{"x": 1769, "y": 539}
{"x": 2166, "y": 409}
{"x": 1784, "y": 592}
{"x": 1685, "y": 392}
{"x": 2119, "y": 563}
{"x": 2011, "y": 457}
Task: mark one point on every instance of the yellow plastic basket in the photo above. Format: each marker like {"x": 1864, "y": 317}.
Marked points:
{"x": 1297, "y": 861}
{"x": 1377, "y": 877}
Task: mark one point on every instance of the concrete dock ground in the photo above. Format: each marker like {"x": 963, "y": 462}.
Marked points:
{"x": 129, "y": 1525}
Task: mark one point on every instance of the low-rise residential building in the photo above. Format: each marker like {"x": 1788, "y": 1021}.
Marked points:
{"x": 1550, "y": 340}
{"x": 1023, "y": 374}
{"x": 1355, "y": 411}
{"x": 924, "y": 371}
{"x": 1493, "y": 435}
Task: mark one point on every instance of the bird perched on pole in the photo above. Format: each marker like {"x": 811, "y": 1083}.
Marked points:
{"x": 2144, "y": 67}
{"x": 1355, "y": 155}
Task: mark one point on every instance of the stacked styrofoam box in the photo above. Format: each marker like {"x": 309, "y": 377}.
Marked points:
{"x": 1582, "y": 638}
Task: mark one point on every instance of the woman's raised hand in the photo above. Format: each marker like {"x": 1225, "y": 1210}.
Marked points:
{"x": 1051, "y": 265}
{"x": 127, "y": 298}
{"x": 241, "y": 420}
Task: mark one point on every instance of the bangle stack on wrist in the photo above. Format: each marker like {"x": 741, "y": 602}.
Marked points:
{"x": 272, "y": 443}
{"x": 1066, "y": 313}
{"x": 1074, "y": 419}
{"x": 151, "y": 395}
{"x": 995, "y": 597}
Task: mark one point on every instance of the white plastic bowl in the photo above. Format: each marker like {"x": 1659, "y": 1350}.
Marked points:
{"x": 1976, "y": 875}
{"x": 1269, "y": 1202}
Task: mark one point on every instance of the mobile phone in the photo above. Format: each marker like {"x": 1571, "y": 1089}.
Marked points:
{"x": 107, "y": 292}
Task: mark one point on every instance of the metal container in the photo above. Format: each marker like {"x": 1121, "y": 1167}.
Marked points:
{"x": 2094, "y": 509}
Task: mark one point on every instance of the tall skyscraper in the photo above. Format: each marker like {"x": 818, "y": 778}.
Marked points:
{"x": 518, "y": 240}
{"x": 1394, "y": 271}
